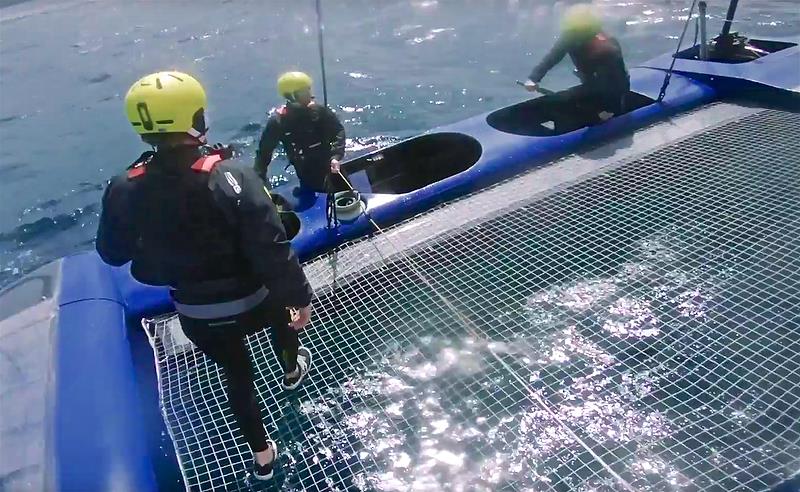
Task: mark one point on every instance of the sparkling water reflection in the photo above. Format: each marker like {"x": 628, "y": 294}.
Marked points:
{"x": 401, "y": 415}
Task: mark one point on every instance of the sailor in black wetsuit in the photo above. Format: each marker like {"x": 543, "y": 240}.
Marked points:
{"x": 210, "y": 232}
{"x": 598, "y": 61}
{"x": 311, "y": 134}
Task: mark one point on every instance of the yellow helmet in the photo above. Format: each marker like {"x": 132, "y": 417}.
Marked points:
{"x": 581, "y": 19}
{"x": 167, "y": 102}
{"x": 291, "y": 82}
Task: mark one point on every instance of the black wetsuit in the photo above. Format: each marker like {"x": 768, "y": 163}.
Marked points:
{"x": 209, "y": 231}
{"x": 600, "y": 66}
{"x": 311, "y": 136}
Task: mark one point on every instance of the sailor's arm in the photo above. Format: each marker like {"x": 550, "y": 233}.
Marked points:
{"x": 550, "y": 60}
{"x": 270, "y": 138}
{"x": 337, "y": 133}
{"x": 114, "y": 243}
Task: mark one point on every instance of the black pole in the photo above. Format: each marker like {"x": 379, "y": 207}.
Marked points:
{"x": 320, "y": 28}
{"x": 703, "y": 9}
{"x": 726, "y": 28}
{"x": 668, "y": 75}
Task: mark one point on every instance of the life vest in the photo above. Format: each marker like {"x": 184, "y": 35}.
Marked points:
{"x": 184, "y": 238}
{"x": 302, "y": 134}
{"x": 306, "y": 143}
{"x": 600, "y": 47}
{"x": 600, "y": 54}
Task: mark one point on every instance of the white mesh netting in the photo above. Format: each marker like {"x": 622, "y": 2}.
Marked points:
{"x": 636, "y": 330}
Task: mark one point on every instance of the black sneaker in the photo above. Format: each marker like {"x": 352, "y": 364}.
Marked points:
{"x": 304, "y": 364}
{"x": 265, "y": 472}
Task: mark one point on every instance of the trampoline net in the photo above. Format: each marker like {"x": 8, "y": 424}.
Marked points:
{"x": 636, "y": 330}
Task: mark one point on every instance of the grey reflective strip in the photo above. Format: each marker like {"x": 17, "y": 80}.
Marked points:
{"x": 222, "y": 309}
{"x": 232, "y": 181}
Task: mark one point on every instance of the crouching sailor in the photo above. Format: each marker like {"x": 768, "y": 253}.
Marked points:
{"x": 598, "y": 61}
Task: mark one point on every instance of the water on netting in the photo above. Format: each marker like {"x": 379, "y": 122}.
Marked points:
{"x": 618, "y": 361}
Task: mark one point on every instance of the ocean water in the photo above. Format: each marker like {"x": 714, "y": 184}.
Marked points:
{"x": 395, "y": 68}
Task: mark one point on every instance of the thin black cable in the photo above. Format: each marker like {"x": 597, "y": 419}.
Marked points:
{"x": 668, "y": 76}
{"x": 320, "y": 29}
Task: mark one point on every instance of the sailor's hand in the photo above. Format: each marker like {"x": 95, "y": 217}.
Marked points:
{"x": 300, "y": 316}
{"x": 531, "y": 86}
{"x": 224, "y": 151}
{"x": 335, "y": 166}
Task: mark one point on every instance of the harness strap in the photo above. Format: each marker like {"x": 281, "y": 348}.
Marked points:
{"x": 139, "y": 166}
{"x": 136, "y": 171}
{"x": 223, "y": 309}
{"x": 663, "y": 92}
{"x": 206, "y": 164}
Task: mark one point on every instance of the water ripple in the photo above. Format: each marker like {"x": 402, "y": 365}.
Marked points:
{"x": 45, "y": 228}
{"x": 440, "y": 413}
{"x": 430, "y": 35}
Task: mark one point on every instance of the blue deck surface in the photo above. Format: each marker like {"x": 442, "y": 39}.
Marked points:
{"x": 780, "y": 70}
{"x": 100, "y": 436}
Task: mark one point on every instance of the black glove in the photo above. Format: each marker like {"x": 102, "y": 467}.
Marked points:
{"x": 224, "y": 151}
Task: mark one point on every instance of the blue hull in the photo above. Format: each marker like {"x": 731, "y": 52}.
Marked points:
{"x": 503, "y": 156}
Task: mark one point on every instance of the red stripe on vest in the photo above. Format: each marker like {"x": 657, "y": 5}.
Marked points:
{"x": 206, "y": 164}
{"x": 137, "y": 171}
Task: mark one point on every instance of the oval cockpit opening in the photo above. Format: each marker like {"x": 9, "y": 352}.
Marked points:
{"x": 412, "y": 164}
{"x": 735, "y": 48}
{"x": 291, "y": 223}
{"x": 556, "y": 114}
{"x": 280, "y": 202}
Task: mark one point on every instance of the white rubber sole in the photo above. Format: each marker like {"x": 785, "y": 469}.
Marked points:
{"x": 306, "y": 355}
{"x": 272, "y": 444}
